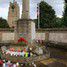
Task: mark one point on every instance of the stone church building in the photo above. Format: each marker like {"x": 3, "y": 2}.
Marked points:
{"x": 13, "y": 14}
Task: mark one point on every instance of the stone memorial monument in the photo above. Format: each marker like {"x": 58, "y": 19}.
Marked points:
{"x": 25, "y": 25}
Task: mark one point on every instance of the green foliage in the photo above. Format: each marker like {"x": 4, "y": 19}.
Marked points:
{"x": 58, "y": 23}
{"x": 65, "y": 16}
{"x": 48, "y": 18}
{"x": 0, "y": 55}
{"x": 36, "y": 23}
{"x": 21, "y": 44}
{"x": 47, "y": 15}
{"x": 65, "y": 1}
{"x": 3, "y": 23}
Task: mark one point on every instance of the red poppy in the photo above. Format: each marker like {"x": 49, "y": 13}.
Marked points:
{"x": 22, "y": 40}
{"x": 1, "y": 62}
{"x": 12, "y": 49}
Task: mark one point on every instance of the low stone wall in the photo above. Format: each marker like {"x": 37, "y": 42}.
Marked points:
{"x": 58, "y": 37}
{"x": 53, "y": 35}
{"x": 7, "y": 35}
{"x": 40, "y": 36}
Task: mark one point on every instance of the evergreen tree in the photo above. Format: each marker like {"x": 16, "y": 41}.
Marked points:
{"x": 65, "y": 15}
{"x": 47, "y": 15}
{"x": 3, "y": 23}
{"x": 36, "y": 23}
{"x": 65, "y": 1}
{"x": 58, "y": 23}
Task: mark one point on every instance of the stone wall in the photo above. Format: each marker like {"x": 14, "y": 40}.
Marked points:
{"x": 7, "y": 36}
{"x": 53, "y": 35}
{"x": 33, "y": 30}
{"x": 58, "y": 37}
{"x": 40, "y": 36}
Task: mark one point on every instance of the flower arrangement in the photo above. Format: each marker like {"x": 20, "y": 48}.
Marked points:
{"x": 22, "y": 42}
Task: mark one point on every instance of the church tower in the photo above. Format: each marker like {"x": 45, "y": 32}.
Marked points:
{"x": 13, "y": 14}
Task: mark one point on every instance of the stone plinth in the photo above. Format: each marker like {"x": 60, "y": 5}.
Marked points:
{"x": 24, "y": 28}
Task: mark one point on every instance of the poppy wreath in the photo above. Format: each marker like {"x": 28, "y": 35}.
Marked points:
{"x": 22, "y": 42}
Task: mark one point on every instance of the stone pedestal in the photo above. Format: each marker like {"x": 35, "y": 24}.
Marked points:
{"x": 24, "y": 29}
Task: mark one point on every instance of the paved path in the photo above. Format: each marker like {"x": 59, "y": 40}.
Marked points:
{"x": 52, "y": 62}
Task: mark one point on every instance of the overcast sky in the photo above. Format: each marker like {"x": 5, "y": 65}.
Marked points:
{"x": 56, "y": 4}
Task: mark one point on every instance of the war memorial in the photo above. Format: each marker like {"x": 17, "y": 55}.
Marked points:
{"x": 22, "y": 44}
{"x": 24, "y": 48}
